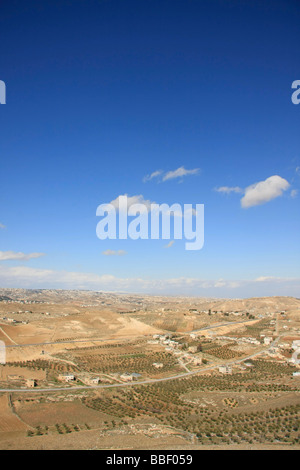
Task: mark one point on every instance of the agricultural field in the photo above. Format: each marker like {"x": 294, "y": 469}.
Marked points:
{"x": 99, "y": 370}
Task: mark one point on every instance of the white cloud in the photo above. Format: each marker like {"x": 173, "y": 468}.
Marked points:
{"x": 180, "y": 172}
{"x": 294, "y": 193}
{"x": 26, "y": 277}
{"x": 264, "y": 191}
{"x": 2, "y": 226}
{"x": 264, "y": 278}
{"x": 13, "y": 255}
{"x": 169, "y": 175}
{"x": 139, "y": 199}
{"x": 155, "y": 174}
{"x": 228, "y": 189}
{"x": 114, "y": 253}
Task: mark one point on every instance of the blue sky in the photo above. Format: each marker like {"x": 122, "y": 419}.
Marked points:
{"x": 102, "y": 93}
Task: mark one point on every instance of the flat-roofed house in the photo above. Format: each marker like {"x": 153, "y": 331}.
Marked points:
{"x": 31, "y": 383}
{"x": 66, "y": 377}
{"x": 225, "y": 369}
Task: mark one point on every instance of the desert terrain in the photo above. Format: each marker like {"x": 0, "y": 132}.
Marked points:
{"x": 96, "y": 370}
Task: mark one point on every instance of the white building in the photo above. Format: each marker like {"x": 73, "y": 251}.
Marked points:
{"x": 94, "y": 381}
{"x": 296, "y": 344}
{"x": 225, "y": 369}
{"x": 130, "y": 377}
{"x": 267, "y": 340}
{"x": 66, "y": 377}
{"x": 158, "y": 365}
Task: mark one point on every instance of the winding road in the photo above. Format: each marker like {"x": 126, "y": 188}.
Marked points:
{"x": 142, "y": 382}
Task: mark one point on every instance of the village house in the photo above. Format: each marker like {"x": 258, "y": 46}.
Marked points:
{"x": 130, "y": 377}
{"x": 158, "y": 365}
{"x": 31, "y": 383}
{"x": 66, "y": 377}
{"x": 267, "y": 340}
{"x": 94, "y": 381}
{"x": 225, "y": 369}
{"x": 197, "y": 361}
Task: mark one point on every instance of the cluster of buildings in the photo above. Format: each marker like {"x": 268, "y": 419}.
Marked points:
{"x": 69, "y": 377}
{"x": 13, "y": 321}
{"x": 248, "y": 340}
{"x": 24, "y": 302}
{"x": 176, "y": 348}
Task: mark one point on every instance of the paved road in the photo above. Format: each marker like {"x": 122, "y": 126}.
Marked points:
{"x": 132, "y": 384}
